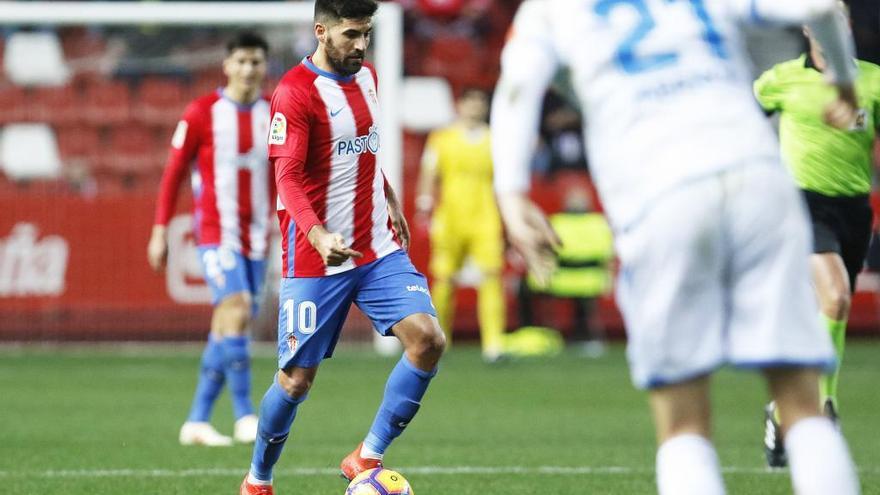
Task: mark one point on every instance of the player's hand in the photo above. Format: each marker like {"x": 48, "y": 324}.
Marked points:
{"x": 530, "y": 234}
{"x": 331, "y": 246}
{"x": 842, "y": 112}
{"x": 157, "y": 248}
{"x": 399, "y": 224}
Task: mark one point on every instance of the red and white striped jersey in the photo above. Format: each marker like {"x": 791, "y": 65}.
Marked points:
{"x": 323, "y": 141}
{"x": 223, "y": 144}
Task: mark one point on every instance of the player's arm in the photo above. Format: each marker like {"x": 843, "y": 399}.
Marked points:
{"x": 184, "y": 146}
{"x": 827, "y": 22}
{"x": 768, "y": 93}
{"x": 288, "y": 147}
{"x": 528, "y": 64}
{"x": 429, "y": 179}
{"x": 395, "y": 213}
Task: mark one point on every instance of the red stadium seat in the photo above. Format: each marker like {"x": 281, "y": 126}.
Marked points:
{"x": 132, "y": 150}
{"x": 160, "y": 100}
{"x": 80, "y": 144}
{"x": 13, "y": 101}
{"x": 457, "y": 59}
{"x": 107, "y": 102}
{"x": 206, "y": 82}
{"x": 57, "y": 105}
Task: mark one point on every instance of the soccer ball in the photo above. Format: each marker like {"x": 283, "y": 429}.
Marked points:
{"x": 379, "y": 481}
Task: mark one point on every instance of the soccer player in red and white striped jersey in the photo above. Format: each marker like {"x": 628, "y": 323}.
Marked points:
{"x": 344, "y": 238}
{"x": 221, "y": 144}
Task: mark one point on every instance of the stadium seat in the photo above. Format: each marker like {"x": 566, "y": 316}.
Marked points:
{"x": 12, "y": 103}
{"x": 35, "y": 59}
{"x": 132, "y": 149}
{"x": 160, "y": 100}
{"x": 452, "y": 58}
{"x": 426, "y": 103}
{"x": 206, "y": 82}
{"x": 107, "y": 102}
{"x": 79, "y": 144}
{"x": 56, "y": 105}
{"x": 29, "y": 151}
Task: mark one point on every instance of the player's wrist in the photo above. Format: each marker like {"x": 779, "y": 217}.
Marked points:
{"x": 315, "y": 233}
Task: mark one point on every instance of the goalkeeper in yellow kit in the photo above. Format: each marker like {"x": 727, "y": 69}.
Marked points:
{"x": 456, "y": 185}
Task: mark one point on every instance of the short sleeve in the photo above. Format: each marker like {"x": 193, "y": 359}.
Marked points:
{"x": 289, "y": 128}
{"x": 768, "y": 91}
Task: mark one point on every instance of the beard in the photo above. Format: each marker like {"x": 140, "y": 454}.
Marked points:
{"x": 343, "y": 64}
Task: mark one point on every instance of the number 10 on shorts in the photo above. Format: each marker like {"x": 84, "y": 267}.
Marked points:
{"x": 307, "y": 313}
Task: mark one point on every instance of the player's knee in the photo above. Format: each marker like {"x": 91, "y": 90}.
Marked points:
{"x": 429, "y": 342}
{"x": 233, "y": 314}
{"x": 295, "y": 385}
{"x": 836, "y": 303}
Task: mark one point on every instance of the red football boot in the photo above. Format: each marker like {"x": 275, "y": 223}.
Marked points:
{"x": 354, "y": 464}
{"x": 249, "y": 489}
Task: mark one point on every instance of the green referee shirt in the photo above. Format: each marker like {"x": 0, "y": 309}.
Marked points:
{"x": 822, "y": 159}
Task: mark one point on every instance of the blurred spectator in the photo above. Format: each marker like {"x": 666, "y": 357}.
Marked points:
{"x": 583, "y": 271}
{"x": 562, "y": 142}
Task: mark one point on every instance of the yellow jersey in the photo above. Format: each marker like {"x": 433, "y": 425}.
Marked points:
{"x": 464, "y": 168}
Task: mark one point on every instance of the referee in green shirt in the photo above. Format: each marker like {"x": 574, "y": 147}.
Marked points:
{"x": 833, "y": 168}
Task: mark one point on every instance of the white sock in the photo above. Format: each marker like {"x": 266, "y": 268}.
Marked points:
{"x": 687, "y": 464}
{"x": 366, "y": 453}
{"x": 254, "y": 481}
{"x": 819, "y": 459}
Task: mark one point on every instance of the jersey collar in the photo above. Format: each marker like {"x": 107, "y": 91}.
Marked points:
{"x": 307, "y": 61}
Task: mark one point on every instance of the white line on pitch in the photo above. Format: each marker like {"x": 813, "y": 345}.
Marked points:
{"x": 425, "y": 470}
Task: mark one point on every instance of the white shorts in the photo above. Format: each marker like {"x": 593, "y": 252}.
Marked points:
{"x": 718, "y": 272}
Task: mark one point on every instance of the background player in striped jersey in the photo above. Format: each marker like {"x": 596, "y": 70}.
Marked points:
{"x": 710, "y": 231}
{"x": 833, "y": 168}
{"x": 221, "y": 142}
{"x": 336, "y": 212}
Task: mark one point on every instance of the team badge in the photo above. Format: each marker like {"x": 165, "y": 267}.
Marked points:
{"x": 291, "y": 342}
{"x": 179, "y": 136}
{"x": 278, "y": 130}
{"x": 373, "y": 96}
{"x": 861, "y": 122}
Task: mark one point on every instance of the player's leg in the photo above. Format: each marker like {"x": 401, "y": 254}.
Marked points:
{"x": 487, "y": 250}
{"x": 773, "y": 324}
{"x": 670, "y": 291}
{"x": 289, "y": 389}
{"x": 833, "y": 290}
{"x": 225, "y": 276}
{"x": 447, "y": 256}
{"x": 237, "y": 348}
{"x": 819, "y": 459}
{"x": 311, "y": 313}
{"x": 395, "y": 297}
{"x": 842, "y": 231}
{"x": 686, "y": 460}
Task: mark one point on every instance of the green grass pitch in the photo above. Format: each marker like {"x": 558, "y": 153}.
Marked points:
{"x": 104, "y": 420}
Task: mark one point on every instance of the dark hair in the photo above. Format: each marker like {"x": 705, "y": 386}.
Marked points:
{"x": 336, "y": 10}
{"x": 247, "y": 39}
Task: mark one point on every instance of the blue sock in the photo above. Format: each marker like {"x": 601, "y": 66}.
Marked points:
{"x": 276, "y": 415}
{"x": 238, "y": 374}
{"x": 403, "y": 395}
{"x": 210, "y": 384}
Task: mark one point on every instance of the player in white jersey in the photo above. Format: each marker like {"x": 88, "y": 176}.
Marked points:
{"x": 710, "y": 230}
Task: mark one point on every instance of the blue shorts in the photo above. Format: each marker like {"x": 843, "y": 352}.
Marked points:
{"x": 229, "y": 272}
{"x": 313, "y": 309}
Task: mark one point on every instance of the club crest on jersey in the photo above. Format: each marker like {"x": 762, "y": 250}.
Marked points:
{"x": 861, "y": 122}
{"x": 361, "y": 144}
{"x": 278, "y": 129}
